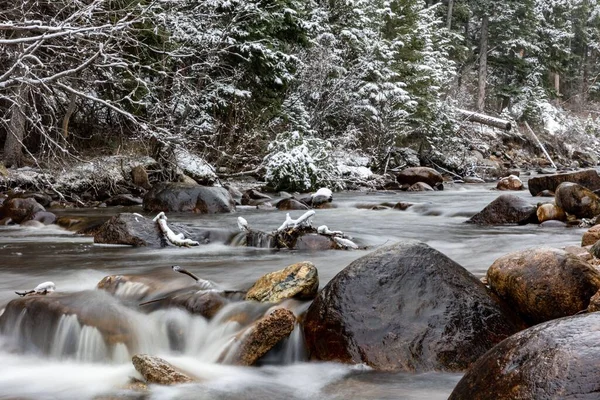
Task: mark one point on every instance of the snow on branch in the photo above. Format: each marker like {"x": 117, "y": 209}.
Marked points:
{"x": 176, "y": 239}
{"x": 303, "y": 220}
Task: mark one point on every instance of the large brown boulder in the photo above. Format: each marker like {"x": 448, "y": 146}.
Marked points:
{"x": 410, "y": 176}
{"x": 555, "y": 360}
{"x": 506, "y": 209}
{"x": 157, "y": 371}
{"x": 300, "y": 280}
{"x": 406, "y": 307}
{"x": 255, "y": 341}
{"x": 588, "y": 178}
{"x": 130, "y": 229}
{"x": 184, "y": 197}
{"x": 19, "y": 209}
{"x": 591, "y": 236}
{"x": 577, "y": 200}
{"x": 544, "y": 283}
{"x": 510, "y": 182}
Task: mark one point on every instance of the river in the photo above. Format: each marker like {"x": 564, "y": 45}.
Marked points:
{"x": 29, "y": 256}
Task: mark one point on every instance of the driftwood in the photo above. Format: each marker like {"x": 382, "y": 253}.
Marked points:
{"x": 485, "y": 119}
{"x": 540, "y": 144}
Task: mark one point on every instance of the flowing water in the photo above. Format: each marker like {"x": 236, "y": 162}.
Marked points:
{"x": 70, "y": 359}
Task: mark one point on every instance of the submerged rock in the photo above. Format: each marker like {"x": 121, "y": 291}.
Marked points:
{"x": 262, "y": 336}
{"x": 299, "y": 281}
{"x": 544, "y": 283}
{"x": 506, "y": 209}
{"x": 124, "y": 200}
{"x": 410, "y": 176}
{"x": 588, "y": 178}
{"x": 406, "y": 307}
{"x": 183, "y": 197}
{"x": 577, "y": 200}
{"x": 554, "y": 360}
{"x": 157, "y": 371}
{"x": 130, "y": 229}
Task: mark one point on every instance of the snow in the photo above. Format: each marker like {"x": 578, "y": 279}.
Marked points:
{"x": 194, "y": 166}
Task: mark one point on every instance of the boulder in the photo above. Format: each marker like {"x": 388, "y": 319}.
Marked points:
{"x": 300, "y": 281}
{"x": 183, "y": 197}
{"x": 581, "y": 252}
{"x": 555, "y": 360}
{"x": 548, "y": 212}
{"x": 253, "y": 197}
{"x": 406, "y": 307}
{"x": 588, "y": 178}
{"x": 595, "y": 250}
{"x": 577, "y": 200}
{"x": 291, "y": 204}
{"x": 545, "y": 193}
{"x": 510, "y": 182}
{"x": 255, "y": 341}
{"x": 130, "y": 229}
{"x": 543, "y": 283}
{"x": 157, "y": 371}
{"x": 591, "y": 236}
{"x": 506, "y": 209}
{"x": 19, "y": 209}
{"x": 410, "y": 176}
{"x": 420, "y": 187}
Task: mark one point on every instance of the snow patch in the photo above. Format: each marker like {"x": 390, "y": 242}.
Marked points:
{"x": 194, "y": 166}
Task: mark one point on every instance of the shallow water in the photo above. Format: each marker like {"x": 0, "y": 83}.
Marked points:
{"x": 29, "y": 256}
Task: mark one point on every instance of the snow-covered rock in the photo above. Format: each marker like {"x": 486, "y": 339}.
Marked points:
{"x": 194, "y": 166}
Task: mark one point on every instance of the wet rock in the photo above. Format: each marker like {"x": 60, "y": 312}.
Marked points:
{"x": 37, "y": 317}
{"x": 253, "y": 197}
{"x": 588, "y": 178}
{"x": 235, "y": 193}
{"x": 595, "y": 250}
{"x": 124, "y": 200}
{"x": 291, "y": 204}
{"x": 473, "y": 179}
{"x": 577, "y": 200}
{"x": 313, "y": 242}
{"x": 545, "y": 193}
{"x": 410, "y": 176}
{"x": 206, "y": 303}
{"x": 139, "y": 176}
{"x": 130, "y": 229}
{"x": 45, "y": 217}
{"x": 262, "y": 336}
{"x": 321, "y": 198}
{"x": 406, "y": 307}
{"x": 553, "y": 224}
{"x": 591, "y": 236}
{"x": 420, "y": 187}
{"x": 581, "y": 252}
{"x": 81, "y": 225}
{"x": 181, "y": 197}
{"x": 157, "y": 371}
{"x": 548, "y": 212}
{"x": 300, "y": 280}
{"x": 553, "y": 360}
{"x": 506, "y": 209}
{"x": 19, "y": 209}
{"x": 403, "y": 206}
{"x": 594, "y": 305}
{"x": 544, "y": 283}
{"x": 510, "y": 182}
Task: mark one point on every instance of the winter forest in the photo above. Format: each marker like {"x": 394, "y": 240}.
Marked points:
{"x": 278, "y": 87}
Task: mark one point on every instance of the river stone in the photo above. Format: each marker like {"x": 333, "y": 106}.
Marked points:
{"x": 410, "y": 176}
{"x": 420, "y": 187}
{"x": 545, "y": 193}
{"x": 543, "y": 283}
{"x": 577, "y": 200}
{"x": 594, "y": 305}
{"x": 595, "y": 250}
{"x": 157, "y": 371}
{"x": 37, "y": 317}
{"x": 262, "y": 336}
{"x": 406, "y": 307}
{"x": 510, "y": 182}
{"x": 555, "y": 360}
{"x": 549, "y": 212}
{"x": 183, "y": 197}
{"x": 19, "y": 209}
{"x": 291, "y": 204}
{"x": 591, "y": 236}
{"x": 300, "y": 280}
{"x": 314, "y": 242}
{"x": 253, "y": 197}
{"x": 506, "y": 209}
{"x": 130, "y": 229}
{"x": 588, "y": 178}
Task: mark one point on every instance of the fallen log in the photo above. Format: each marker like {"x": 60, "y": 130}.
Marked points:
{"x": 484, "y": 119}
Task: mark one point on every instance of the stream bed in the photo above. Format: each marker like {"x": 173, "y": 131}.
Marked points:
{"x": 29, "y": 256}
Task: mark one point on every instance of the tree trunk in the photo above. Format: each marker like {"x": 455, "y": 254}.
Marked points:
{"x": 13, "y": 146}
{"x": 449, "y": 20}
{"x": 482, "y": 77}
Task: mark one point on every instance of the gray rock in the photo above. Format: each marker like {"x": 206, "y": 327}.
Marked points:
{"x": 506, "y": 209}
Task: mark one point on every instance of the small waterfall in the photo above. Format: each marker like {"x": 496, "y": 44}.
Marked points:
{"x": 66, "y": 337}
{"x": 293, "y": 349}
{"x": 91, "y": 346}
{"x": 262, "y": 240}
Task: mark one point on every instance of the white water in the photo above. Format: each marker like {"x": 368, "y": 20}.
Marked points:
{"x": 80, "y": 364}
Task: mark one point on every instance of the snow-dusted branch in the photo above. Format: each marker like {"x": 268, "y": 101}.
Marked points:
{"x": 176, "y": 239}
{"x": 303, "y": 220}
